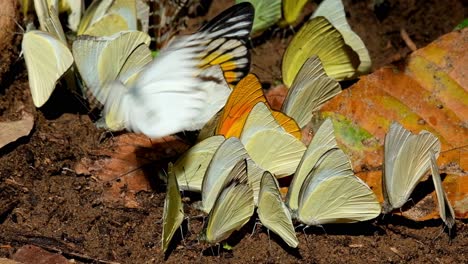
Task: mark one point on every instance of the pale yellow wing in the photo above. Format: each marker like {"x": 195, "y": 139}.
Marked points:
{"x": 125, "y": 10}
{"x": 173, "y": 214}
{"x": 190, "y": 168}
{"x": 310, "y": 90}
{"x": 225, "y": 158}
{"x": 445, "y": 209}
{"x": 233, "y": 207}
{"x": 47, "y": 59}
{"x": 292, "y": 10}
{"x": 333, "y": 11}
{"x": 324, "y": 141}
{"x": 319, "y": 37}
{"x": 406, "y": 160}
{"x": 332, "y": 193}
{"x": 273, "y": 213}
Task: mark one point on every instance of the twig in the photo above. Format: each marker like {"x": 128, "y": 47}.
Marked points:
{"x": 404, "y": 35}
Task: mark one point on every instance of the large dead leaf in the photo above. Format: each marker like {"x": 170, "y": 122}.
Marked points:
{"x": 428, "y": 92}
{"x": 10, "y": 131}
{"x": 128, "y": 164}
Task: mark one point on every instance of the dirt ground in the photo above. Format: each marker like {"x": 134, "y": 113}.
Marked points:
{"x": 44, "y": 202}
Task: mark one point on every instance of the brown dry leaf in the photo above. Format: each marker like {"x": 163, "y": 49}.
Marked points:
{"x": 30, "y": 254}
{"x": 429, "y": 92}
{"x": 10, "y": 131}
{"x": 124, "y": 167}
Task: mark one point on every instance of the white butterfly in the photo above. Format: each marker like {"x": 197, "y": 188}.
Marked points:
{"x": 170, "y": 93}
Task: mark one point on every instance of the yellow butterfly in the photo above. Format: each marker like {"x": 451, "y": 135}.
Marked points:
{"x": 319, "y": 37}
{"x": 292, "y": 9}
{"x": 107, "y": 17}
{"x": 273, "y": 213}
{"x": 173, "y": 214}
{"x": 233, "y": 206}
{"x": 333, "y": 11}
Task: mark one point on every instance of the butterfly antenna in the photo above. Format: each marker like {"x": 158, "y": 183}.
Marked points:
{"x": 305, "y": 235}
{"x": 182, "y": 235}
{"x": 253, "y": 229}
{"x": 269, "y": 240}
{"x": 321, "y": 226}
{"x": 212, "y": 251}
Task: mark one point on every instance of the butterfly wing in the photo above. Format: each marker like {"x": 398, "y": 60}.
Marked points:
{"x": 269, "y": 145}
{"x": 247, "y": 93}
{"x": 267, "y": 13}
{"x": 273, "y": 213}
{"x": 445, "y": 209}
{"x": 319, "y": 37}
{"x": 47, "y": 59}
{"x": 233, "y": 207}
{"x": 225, "y": 158}
{"x": 310, "y": 90}
{"x": 48, "y": 19}
{"x": 406, "y": 167}
{"x": 333, "y": 11}
{"x": 254, "y": 173}
{"x": 332, "y": 193}
{"x": 226, "y": 46}
{"x": 323, "y": 142}
{"x": 123, "y": 12}
{"x": 218, "y": 92}
{"x": 292, "y": 10}
{"x": 190, "y": 168}
{"x": 173, "y": 214}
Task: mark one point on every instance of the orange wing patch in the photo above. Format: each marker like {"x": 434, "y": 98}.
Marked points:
{"x": 243, "y": 98}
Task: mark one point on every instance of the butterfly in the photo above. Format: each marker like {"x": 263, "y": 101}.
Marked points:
{"x": 247, "y": 93}
{"x": 228, "y": 154}
{"x": 107, "y": 17}
{"x": 270, "y": 146}
{"x": 334, "y": 12}
{"x": 190, "y": 168}
{"x": 319, "y": 37}
{"x": 445, "y": 209}
{"x": 170, "y": 93}
{"x": 322, "y": 142}
{"x": 406, "y": 160}
{"x": 232, "y": 208}
{"x": 292, "y": 9}
{"x": 46, "y": 54}
{"x": 272, "y": 211}
{"x": 311, "y": 88}
{"x": 267, "y": 14}
{"x": 324, "y": 188}
{"x": 164, "y": 19}
{"x": 331, "y": 193}
{"x": 173, "y": 213}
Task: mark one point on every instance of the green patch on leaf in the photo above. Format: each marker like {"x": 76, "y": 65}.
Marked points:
{"x": 352, "y": 136}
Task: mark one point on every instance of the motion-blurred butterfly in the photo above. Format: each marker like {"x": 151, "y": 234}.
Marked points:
{"x": 169, "y": 94}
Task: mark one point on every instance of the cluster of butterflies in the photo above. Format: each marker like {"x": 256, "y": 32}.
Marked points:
{"x": 201, "y": 82}
{"x": 236, "y": 175}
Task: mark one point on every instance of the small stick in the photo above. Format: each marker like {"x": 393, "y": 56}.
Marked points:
{"x": 404, "y": 35}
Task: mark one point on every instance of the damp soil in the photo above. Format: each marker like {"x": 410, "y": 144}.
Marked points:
{"x": 44, "y": 202}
